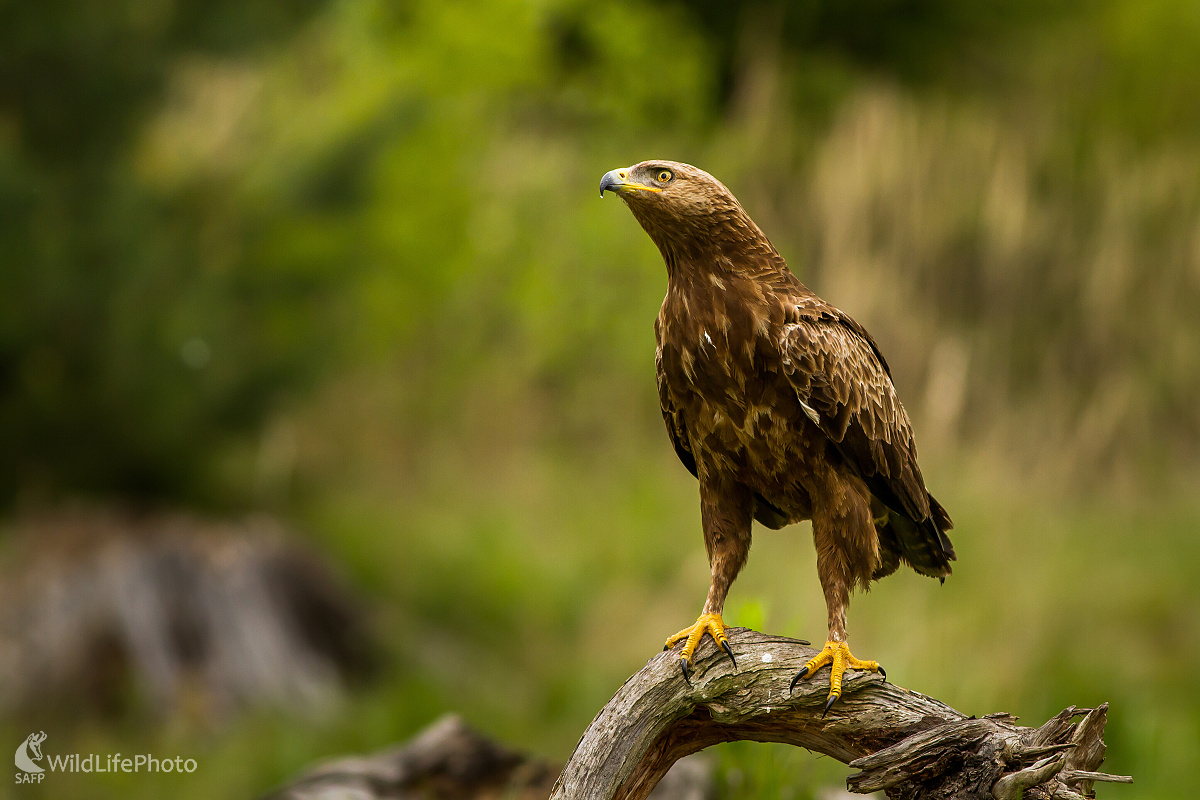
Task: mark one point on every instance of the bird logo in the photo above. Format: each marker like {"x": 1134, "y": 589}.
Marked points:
{"x": 30, "y": 751}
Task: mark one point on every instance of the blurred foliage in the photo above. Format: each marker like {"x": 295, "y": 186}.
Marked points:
{"x": 938, "y": 42}
{"x": 345, "y": 260}
{"x": 108, "y": 307}
{"x": 183, "y": 259}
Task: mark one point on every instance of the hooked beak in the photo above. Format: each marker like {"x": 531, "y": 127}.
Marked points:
{"x": 618, "y": 181}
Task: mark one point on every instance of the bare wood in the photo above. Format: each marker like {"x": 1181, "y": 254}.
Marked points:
{"x": 906, "y": 744}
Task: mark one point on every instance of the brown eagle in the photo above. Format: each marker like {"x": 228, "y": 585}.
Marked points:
{"x": 781, "y": 405}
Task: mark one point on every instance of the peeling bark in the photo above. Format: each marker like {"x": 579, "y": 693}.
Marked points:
{"x": 910, "y": 746}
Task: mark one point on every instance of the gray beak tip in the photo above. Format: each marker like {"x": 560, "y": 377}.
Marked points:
{"x": 609, "y": 182}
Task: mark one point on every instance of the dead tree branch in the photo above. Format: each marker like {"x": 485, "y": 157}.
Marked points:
{"x": 908, "y": 745}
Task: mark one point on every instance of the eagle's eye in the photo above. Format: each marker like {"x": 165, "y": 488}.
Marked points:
{"x": 664, "y": 176}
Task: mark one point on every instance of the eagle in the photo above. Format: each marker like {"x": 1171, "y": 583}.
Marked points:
{"x": 781, "y": 406}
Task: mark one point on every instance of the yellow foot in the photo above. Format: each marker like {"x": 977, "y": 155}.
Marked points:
{"x": 713, "y": 625}
{"x": 838, "y": 654}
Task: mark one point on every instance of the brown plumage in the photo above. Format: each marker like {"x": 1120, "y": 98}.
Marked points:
{"x": 780, "y": 404}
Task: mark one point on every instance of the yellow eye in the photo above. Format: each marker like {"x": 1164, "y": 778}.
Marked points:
{"x": 664, "y": 176}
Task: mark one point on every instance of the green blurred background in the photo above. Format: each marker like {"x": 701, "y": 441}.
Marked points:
{"x": 343, "y": 261}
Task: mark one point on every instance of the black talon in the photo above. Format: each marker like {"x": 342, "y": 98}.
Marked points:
{"x": 883, "y": 672}
{"x": 828, "y": 703}
{"x": 799, "y": 677}
{"x": 666, "y": 647}
{"x": 729, "y": 652}
{"x": 683, "y": 665}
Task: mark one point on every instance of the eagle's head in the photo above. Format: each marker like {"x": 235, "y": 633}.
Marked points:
{"x": 686, "y": 211}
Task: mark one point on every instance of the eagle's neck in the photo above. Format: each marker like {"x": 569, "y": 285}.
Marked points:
{"x": 730, "y": 247}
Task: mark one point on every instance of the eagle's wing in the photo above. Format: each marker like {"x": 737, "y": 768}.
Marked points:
{"x": 764, "y": 511}
{"x": 674, "y": 420}
{"x": 845, "y": 387}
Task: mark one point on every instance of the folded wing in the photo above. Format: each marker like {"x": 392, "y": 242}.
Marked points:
{"x": 845, "y": 387}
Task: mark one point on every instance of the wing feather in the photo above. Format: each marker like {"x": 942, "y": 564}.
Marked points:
{"x": 674, "y": 420}
{"x": 839, "y": 374}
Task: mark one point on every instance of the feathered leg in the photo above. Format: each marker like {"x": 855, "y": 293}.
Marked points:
{"x": 725, "y": 510}
{"x": 847, "y": 555}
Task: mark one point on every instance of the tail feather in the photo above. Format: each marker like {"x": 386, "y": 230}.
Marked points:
{"x": 923, "y": 545}
{"x": 941, "y": 522}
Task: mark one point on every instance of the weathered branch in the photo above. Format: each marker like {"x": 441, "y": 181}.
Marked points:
{"x": 906, "y": 744}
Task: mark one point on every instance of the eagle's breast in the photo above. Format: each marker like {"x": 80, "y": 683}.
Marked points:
{"x": 720, "y": 362}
